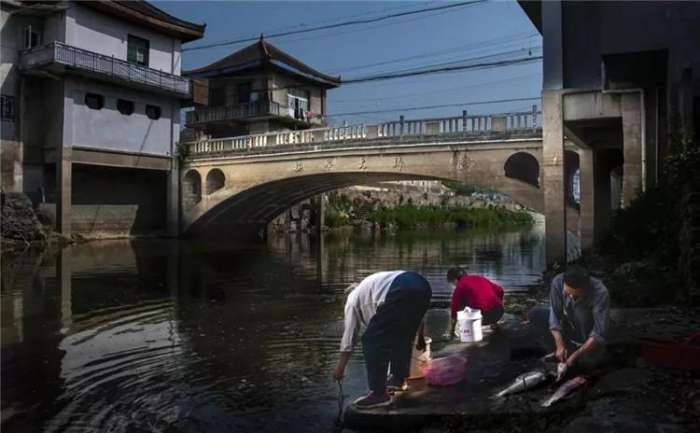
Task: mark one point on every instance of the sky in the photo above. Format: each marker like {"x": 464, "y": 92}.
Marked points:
{"x": 437, "y": 37}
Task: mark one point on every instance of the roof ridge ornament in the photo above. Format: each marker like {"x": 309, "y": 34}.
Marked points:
{"x": 263, "y": 44}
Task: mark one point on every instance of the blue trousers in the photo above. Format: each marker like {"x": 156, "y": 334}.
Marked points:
{"x": 389, "y": 337}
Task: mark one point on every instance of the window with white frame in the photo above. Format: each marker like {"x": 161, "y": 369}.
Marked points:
{"x": 137, "y": 50}
{"x": 298, "y": 100}
{"x": 32, "y": 37}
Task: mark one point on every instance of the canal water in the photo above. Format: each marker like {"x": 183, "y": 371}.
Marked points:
{"x": 173, "y": 336}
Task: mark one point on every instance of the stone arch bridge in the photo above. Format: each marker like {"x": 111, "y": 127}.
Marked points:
{"x": 233, "y": 187}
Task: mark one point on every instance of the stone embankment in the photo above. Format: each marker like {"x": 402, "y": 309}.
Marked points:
{"x": 21, "y": 227}
{"x": 351, "y": 206}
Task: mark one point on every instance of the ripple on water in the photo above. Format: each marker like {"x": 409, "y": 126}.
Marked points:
{"x": 246, "y": 340}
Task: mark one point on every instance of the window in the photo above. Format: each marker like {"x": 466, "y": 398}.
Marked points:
{"x": 32, "y": 37}
{"x": 94, "y": 101}
{"x": 298, "y": 103}
{"x": 8, "y": 108}
{"x": 125, "y": 107}
{"x": 217, "y": 96}
{"x": 137, "y": 51}
{"x": 153, "y": 112}
{"x": 244, "y": 93}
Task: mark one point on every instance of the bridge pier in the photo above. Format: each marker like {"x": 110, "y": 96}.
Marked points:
{"x": 554, "y": 184}
{"x": 319, "y": 214}
{"x": 588, "y": 198}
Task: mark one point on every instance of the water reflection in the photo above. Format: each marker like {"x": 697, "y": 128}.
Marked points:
{"x": 176, "y": 336}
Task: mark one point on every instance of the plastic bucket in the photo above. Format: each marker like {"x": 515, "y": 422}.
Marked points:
{"x": 469, "y": 329}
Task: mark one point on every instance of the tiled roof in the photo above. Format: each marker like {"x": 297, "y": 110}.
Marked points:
{"x": 143, "y": 13}
{"x": 258, "y": 54}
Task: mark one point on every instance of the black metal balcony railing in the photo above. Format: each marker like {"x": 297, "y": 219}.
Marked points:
{"x": 106, "y": 66}
{"x": 243, "y": 111}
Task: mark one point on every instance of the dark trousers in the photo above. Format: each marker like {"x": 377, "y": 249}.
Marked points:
{"x": 492, "y": 316}
{"x": 390, "y": 333}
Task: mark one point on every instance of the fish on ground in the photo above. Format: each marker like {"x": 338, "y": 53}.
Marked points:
{"x": 567, "y": 388}
{"x": 523, "y": 382}
{"x": 561, "y": 371}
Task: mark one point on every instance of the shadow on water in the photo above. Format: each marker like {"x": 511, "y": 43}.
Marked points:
{"x": 177, "y": 336}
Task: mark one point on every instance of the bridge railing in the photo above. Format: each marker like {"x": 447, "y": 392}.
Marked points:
{"x": 464, "y": 125}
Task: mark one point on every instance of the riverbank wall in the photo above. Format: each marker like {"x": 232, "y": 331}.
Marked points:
{"x": 355, "y": 206}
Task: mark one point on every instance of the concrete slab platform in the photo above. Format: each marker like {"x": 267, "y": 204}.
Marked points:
{"x": 493, "y": 364}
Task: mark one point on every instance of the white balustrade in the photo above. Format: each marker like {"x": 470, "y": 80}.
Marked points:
{"x": 403, "y": 129}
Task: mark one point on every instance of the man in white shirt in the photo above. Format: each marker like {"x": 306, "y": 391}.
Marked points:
{"x": 390, "y": 306}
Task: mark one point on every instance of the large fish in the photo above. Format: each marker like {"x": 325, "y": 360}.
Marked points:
{"x": 564, "y": 390}
{"x": 523, "y": 382}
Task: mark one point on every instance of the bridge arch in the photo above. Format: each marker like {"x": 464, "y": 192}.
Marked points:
{"x": 259, "y": 186}
{"x": 191, "y": 188}
{"x": 216, "y": 179}
{"x": 523, "y": 166}
{"x": 252, "y": 209}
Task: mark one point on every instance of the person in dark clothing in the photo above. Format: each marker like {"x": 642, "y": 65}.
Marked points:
{"x": 391, "y": 306}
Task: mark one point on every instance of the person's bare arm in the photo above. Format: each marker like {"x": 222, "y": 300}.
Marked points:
{"x": 451, "y": 330}
{"x": 339, "y": 372}
{"x": 561, "y": 352}
{"x": 589, "y": 345}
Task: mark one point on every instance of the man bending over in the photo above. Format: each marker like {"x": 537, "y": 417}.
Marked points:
{"x": 390, "y": 305}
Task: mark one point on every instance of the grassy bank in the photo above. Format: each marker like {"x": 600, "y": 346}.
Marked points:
{"x": 408, "y": 217}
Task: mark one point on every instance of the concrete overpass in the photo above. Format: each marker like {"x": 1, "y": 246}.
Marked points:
{"x": 236, "y": 186}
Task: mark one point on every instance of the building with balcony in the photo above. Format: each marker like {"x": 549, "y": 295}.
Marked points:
{"x": 91, "y": 100}
{"x": 258, "y": 89}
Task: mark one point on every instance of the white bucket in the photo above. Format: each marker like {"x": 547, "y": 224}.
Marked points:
{"x": 469, "y": 325}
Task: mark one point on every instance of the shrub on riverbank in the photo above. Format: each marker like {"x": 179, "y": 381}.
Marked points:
{"x": 408, "y": 217}
{"x": 652, "y": 251}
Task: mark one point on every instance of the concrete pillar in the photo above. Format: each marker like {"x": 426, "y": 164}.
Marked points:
{"x": 320, "y": 257}
{"x": 64, "y": 176}
{"x": 587, "y": 182}
{"x": 64, "y": 156}
{"x": 319, "y": 211}
{"x": 631, "y": 147}
{"x": 553, "y": 177}
{"x": 173, "y": 199}
{"x": 602, "y": 198}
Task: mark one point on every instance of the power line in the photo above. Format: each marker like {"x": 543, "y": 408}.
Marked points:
{"x": 430, "y": 107}
{"x": 304, "y": 25}
{"x": 337, "y": 25}
{"x": 412, "y": 72}
{"x": 491, "y": 57}
{"x": 432, "y": 92}
{"x": 336, "y": 34}
{"x": 473, "y": 46}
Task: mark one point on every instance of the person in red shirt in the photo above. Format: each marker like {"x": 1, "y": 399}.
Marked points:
{"x": 474, "y": 291}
